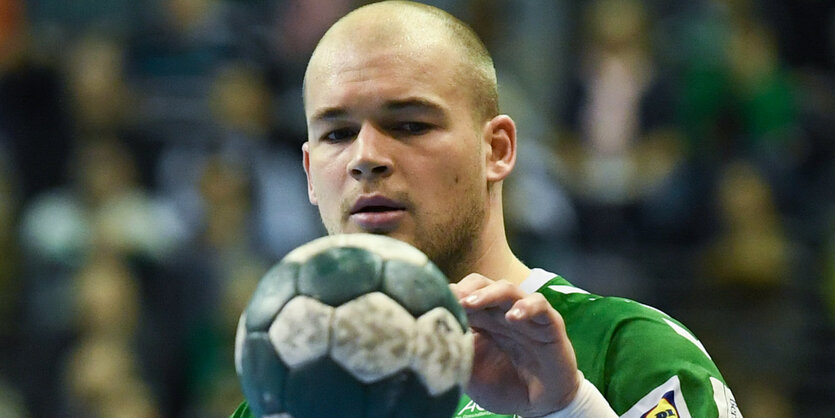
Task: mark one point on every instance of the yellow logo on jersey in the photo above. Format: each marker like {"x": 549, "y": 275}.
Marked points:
{"x": 666, "y": 407}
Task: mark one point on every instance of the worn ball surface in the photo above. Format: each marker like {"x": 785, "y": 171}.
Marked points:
{"x": 354, "y": 325}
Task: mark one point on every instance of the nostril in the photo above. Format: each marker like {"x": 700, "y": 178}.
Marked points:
{"x": 369, "y": 170}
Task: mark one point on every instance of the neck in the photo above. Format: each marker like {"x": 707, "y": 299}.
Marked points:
{"x": 497, "y": 262}
{"x": 491, "y": 256}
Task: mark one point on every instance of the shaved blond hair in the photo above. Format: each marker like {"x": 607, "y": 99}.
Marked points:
{"x": 476, "y": 72}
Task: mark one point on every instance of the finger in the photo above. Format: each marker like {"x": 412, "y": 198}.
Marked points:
{"x": 490, "y": 321}
{"x": 532, "y": 308}
{"x": 469, "y": 284}
{"x": 500, "y": 295}
{"x": 536, "y": 319}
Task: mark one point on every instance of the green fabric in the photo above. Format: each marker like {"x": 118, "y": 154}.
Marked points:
{"x": 242, "y": 411}
{"x": 626, "y": 350}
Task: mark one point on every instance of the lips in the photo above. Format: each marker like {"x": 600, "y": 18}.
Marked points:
{"x": 375, "y": 204}
{"x": 377, "y": 213}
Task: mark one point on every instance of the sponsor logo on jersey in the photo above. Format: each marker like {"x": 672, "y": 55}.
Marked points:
{"x": 665, "y": 401}
{"x": 472, "y": 410}
{"x": 666, "y": 407}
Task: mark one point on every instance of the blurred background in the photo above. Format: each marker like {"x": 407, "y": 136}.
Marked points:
{"x": 678, "y": 152}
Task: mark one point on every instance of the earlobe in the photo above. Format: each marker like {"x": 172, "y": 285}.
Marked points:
{"x": 311, "y": 194}
{"x": 500, "y": 136}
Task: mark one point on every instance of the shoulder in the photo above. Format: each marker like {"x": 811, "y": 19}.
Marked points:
{"x": 578, "y": 305}
{"x": 638, "y": 356}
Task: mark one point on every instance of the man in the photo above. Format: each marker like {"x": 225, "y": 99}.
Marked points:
{"x": 405, "y": 139}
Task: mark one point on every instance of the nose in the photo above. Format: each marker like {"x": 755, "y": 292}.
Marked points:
{"x": 370, "y": 158}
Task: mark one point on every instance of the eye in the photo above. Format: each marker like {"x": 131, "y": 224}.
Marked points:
{"x": 339, "y": 135}
{"x": 413, "y": 128}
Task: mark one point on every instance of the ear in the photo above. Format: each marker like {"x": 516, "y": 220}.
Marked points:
{"x": 311, "y": 195}
{"x": 500, "y": 141}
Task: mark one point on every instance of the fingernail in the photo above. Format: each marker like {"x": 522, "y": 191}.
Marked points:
{"x": 470, "y": 299}
{"x": 515, "y": 313}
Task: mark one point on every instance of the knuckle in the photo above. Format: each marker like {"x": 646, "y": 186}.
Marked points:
{"x": 504, "y": 285}
{"x": 474, "y": 279}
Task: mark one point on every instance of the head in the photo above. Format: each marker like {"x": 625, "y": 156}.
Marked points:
{"x": 404, "y": 134}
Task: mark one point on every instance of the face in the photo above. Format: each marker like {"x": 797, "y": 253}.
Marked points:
{"x": 393, "y": 148}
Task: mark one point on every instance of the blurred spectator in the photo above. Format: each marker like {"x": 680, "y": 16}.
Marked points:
{"x": 103, "y": 209}
{"x": 748, "y": 271}
{"x": 215, "y": 271}
{"x": 171, "y": 60}
{"x": 619, "y": 143}
{"x": 11, "y": 284}
{"x": 99, "y": 98}
{"x": 738, "y": 100}
{"x": 103, "y": 373}
{"x": 101, "y": 381}
{"x": 240, "y": 104}
{"x": 102, "y": 102}
{"x": 751, "y": 249}
{"x": 10, "y": 268}
{"x": 12, "y": 403}
{"x": 34, "y": 124}
{"x": 619, "y": 153}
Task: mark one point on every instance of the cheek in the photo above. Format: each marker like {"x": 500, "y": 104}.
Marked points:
{"x": 452, "y": 178}
{"x": 325, "y": 176}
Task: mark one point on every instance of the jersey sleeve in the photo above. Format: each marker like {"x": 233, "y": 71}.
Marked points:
{"x": 242, "y": 411}
{"x": 656, "y": 368}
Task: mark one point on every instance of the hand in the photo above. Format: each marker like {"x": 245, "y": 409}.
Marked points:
{"x": 524, "y": 363}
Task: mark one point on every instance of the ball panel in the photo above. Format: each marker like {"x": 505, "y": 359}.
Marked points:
{"x": 450, "y": 302}
{"x": 274, "y": 290}
{"x": 263, "y": 375}
{"x": 418, "y": 403}
{"x": 323, "y": 389}
{"x": 384, "y": 397}
{"x": 440, "y": 354}
{"x": 301, "y": 331}
{"x": 340, "y": 274}
{"x": 420, "y": 288}
{"x": 465, "y": 364}
{"x": 372, "y": 337}
{"x": 388, "y": 248}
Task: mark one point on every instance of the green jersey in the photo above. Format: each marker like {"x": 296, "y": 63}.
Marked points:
{"x": 646, "y": 364}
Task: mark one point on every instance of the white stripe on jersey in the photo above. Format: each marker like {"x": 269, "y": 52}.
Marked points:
{"x": 725, "y": 401}
{"x": 567, "y": 290}
{"x": 688, "y": 336}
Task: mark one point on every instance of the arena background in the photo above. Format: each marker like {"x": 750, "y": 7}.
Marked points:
{"x": 678, "y": 152}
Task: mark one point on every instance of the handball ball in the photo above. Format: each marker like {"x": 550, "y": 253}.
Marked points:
{"x": 354, "y": 325}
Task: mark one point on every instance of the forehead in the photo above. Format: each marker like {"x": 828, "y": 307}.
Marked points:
{"x": 367, "y": 67}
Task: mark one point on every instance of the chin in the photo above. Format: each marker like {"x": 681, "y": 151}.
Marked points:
{"x": 396, "y": 235}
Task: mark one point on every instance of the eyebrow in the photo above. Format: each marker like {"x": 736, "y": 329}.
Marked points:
{"x": 409, "y": 104}
{"x": 414, "y": 104}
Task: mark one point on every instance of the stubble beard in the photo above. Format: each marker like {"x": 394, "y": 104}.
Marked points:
{"x": 451, "y": 245}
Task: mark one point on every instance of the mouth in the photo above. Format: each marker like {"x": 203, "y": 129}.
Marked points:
{"x": 377, "y": 213}
{"x": 376, "y": 204}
